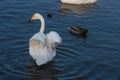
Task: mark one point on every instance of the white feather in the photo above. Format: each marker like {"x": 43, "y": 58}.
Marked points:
{"x": 53, "y": 38}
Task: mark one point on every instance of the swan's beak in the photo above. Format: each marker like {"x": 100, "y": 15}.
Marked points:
{"x": 31, "y": 19}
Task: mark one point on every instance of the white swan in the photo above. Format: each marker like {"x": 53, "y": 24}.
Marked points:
{"x": 42, "y": 47}
{"x": 78, "y": 1}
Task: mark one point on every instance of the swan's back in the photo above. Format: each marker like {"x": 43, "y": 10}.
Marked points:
{"x": 43, "y": 50}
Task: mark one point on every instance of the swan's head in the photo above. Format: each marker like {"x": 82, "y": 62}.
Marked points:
{"x": 53, "y": 38}
{"x": 36, "y": 16}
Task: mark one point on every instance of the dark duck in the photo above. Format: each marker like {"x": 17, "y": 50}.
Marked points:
{"x": 78, "y": 31}
{"x": 49, "y": 15}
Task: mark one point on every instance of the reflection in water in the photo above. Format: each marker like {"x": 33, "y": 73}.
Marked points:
{"x": 44, "y": 72}
{"x": 77, "y": 9}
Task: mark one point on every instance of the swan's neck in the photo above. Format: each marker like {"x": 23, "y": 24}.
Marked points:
{"x": 42, "y": 28}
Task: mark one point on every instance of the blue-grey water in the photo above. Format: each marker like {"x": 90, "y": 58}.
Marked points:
{"x": 94, "y": 58}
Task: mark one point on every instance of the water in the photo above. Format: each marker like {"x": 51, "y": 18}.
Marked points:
{"x": 96, "y": 58}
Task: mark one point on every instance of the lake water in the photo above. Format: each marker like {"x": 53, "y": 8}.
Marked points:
{"x": 94, "y": 58}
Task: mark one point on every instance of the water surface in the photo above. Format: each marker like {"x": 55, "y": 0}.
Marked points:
{"x": 94, "y": 58}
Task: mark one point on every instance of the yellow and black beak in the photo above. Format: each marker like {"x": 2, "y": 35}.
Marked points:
{"x": 31, "y": 19}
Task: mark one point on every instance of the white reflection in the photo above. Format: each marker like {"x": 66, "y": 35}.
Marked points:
{"x": 77, "y": 9}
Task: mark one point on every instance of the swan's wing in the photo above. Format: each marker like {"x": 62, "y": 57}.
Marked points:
{"x": 37, "y": 40}
{"x": 36, "y": 44}
{"x": 53, "y": 37}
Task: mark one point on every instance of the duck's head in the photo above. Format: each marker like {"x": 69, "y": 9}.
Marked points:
{"x": 84, "y": 33}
